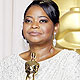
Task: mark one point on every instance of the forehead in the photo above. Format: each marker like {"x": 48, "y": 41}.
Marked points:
{"x": 36, "y": 10}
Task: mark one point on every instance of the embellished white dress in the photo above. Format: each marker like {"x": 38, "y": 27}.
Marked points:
{"x": 63, "y": 66}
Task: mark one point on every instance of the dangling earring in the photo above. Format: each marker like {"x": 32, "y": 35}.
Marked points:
{"x": 54, "y": 40}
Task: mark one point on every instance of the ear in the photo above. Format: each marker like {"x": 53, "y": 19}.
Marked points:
{"x": 56, "y": 27}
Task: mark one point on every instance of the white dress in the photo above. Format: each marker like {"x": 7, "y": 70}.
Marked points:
{"x": 63, "y": 66}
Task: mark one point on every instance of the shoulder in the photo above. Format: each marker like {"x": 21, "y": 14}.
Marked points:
{"x": 11, "y": 65}
{"x": 8, "y": 58}
{"x": 70, "y": 62}
{"x": 10, "y": 61}
{"x": 71, "y": 55}
{"x": 73, "y": 64}
{"x": 67, "y": 55}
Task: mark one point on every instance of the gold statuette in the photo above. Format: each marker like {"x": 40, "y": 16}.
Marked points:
{"x": 31, "y": 67}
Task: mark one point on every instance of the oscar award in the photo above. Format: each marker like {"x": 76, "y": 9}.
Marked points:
{"x": 31, "y": 67}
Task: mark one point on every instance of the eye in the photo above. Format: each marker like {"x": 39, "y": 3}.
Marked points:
{"x": 27, "y": 21}
{"x": 43, "y": 21}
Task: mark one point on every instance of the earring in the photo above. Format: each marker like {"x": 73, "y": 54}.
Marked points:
{"x": 54, "y": 40}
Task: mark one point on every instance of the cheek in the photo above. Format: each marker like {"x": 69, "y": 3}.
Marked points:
{"x": 25, "y": 29}
{"x": 48, "y": 29}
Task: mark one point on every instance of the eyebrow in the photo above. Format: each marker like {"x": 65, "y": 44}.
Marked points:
{"x": 29, "y": 16}
{"x": 43, "y": 16}
{"x": 39, "y": 17}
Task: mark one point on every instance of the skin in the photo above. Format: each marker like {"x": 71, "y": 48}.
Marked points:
{"x": 38, "y": 29}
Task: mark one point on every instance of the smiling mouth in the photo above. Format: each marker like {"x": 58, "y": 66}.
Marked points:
{"x": 34, "y": 33}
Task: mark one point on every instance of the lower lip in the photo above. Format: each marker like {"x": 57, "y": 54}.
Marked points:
{"x": 34, "y": 33}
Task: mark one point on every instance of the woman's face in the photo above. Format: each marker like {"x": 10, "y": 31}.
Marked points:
{"x": 37, "y": 26}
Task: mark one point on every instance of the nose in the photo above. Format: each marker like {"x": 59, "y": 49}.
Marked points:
{"x": 35, "y": 25}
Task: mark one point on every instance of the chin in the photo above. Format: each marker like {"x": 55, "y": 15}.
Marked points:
{"x": 35, "y": 42}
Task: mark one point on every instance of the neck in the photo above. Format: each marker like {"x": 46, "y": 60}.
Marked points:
{"x": 42, "y": 50}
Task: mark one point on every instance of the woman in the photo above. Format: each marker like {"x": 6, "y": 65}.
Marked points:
{"x": 41, "y": 20}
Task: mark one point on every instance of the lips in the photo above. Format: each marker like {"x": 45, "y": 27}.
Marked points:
{"x": 34, "y": 33}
